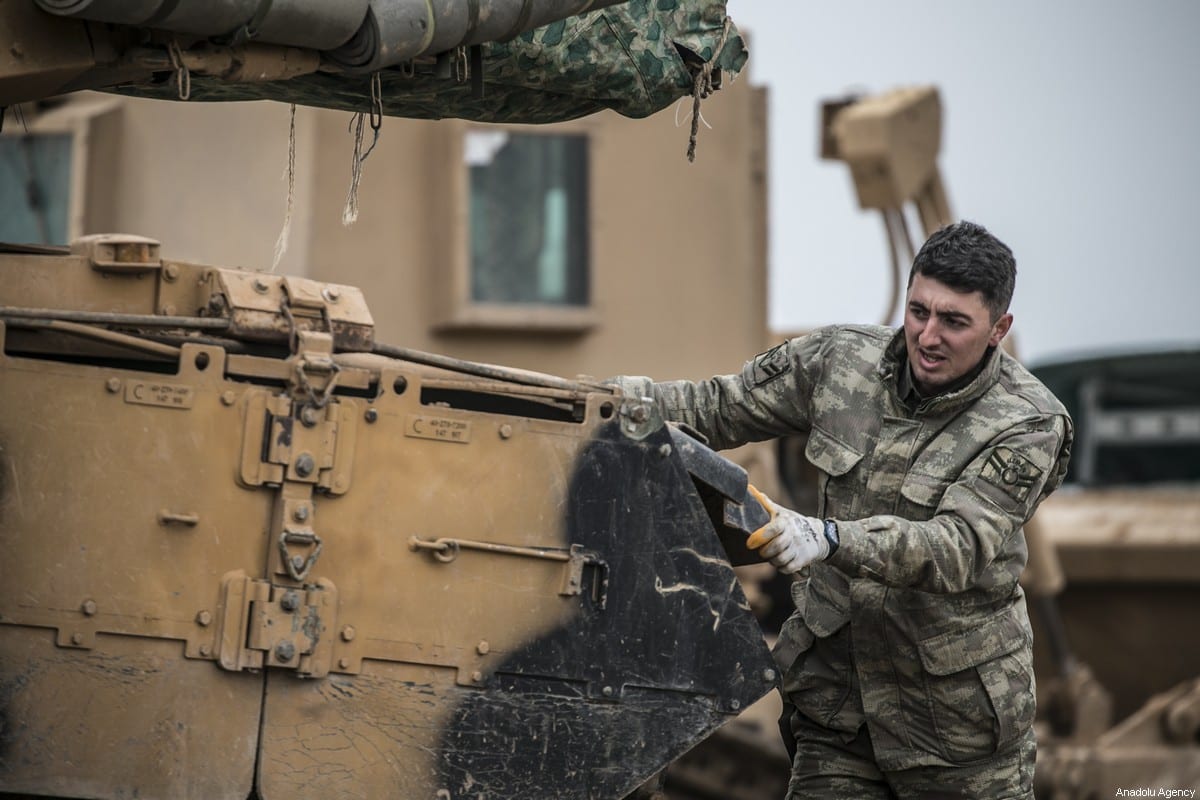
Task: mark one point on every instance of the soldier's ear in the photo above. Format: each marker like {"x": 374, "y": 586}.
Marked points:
{"x": 1000, "y": 329}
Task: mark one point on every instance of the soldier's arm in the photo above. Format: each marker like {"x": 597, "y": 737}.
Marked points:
{"x": 771, "y": 396}
{"x": 974, "y": 523}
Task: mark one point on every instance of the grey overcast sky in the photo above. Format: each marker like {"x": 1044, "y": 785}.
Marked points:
{"x": 1071, "y": 129}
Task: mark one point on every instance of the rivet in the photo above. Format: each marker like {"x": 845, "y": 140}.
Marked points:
{"x": 290, "y": 601}
{"x": 113, "y": 385}
{"x": 227, "y": 397}
{"x": 505, "y": 431}
{"x": 305, "y": 465}
{"x": 735, "y": 704}
{"x": 89, "y": 607}
{"x": 482, "y": 648}
{"x": 310, "y": 416}
{"x": 769, "y": 675}
{"x": 607, "y": 691}
{"x": 284, "y": 651}
{"x": 76, "y": 638}
{"x": 260, "y": 286}
{"x": 344, "y": 663}
{"x": 300, "y": 513}
{"x": 204, "y": 619}
{"x": 331, "y": 294}
{"x": 170, "y": 273}
{"x": 205, "y": 650}
{"x": 371, "y": 415}
{"x": 348, "y": 633}
{"x": 477, "y": 676}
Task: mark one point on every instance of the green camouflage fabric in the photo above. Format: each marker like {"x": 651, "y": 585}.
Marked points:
{"x": 929, "y": 504}
{"x": 623, "y": 58}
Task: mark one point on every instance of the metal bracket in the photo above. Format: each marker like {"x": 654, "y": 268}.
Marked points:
{"x": 263, "y": 625}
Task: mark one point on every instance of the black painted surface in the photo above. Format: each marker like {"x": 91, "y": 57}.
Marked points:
{"x": 592, "y": 710}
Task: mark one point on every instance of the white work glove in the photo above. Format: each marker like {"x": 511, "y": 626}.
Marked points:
{"x": 791, "y": 541}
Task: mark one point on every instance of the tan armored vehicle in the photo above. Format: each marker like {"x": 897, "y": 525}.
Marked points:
{"x": 251, "y": 551}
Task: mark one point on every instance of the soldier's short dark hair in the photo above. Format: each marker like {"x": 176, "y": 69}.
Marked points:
{"x": 967, "y": 257}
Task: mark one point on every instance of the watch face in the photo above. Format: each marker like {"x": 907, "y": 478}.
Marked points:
{"x": 831, "y": 533}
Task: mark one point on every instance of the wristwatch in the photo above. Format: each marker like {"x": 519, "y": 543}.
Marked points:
{"x": 831, "y": 535}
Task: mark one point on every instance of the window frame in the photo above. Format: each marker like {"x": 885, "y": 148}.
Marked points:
{"x": 457, "y": 310}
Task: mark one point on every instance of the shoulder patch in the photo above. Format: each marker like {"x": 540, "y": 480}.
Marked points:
{"x": 767, "y": 366}
{"x": 1012, "y": 473}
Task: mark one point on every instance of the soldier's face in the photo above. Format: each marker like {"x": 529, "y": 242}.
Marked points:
{"x": 947, "y": 332}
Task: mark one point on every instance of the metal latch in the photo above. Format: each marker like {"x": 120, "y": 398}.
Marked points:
{"x": 263, "y": 625}
{"x": 576, "y": 557}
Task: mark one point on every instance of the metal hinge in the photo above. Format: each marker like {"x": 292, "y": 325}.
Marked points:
{"x": 263, "y": 625}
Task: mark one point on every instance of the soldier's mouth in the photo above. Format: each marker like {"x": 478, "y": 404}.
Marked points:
{"x": 929, "y": 360}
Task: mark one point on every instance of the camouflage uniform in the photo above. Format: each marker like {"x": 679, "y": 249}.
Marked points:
{"x": 908, "y": 659}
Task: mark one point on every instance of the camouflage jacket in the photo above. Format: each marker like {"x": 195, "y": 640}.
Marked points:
{"x": 929, "y": 504}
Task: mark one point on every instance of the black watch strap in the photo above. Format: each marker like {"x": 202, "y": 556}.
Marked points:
{"x": 831, "y": 535}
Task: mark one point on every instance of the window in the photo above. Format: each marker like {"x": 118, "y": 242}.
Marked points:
{"x": 35, "y": 188}
{"x": 43, "y": 166}
{"x": 520, "y": 238}
{"x": 528, "y": 218}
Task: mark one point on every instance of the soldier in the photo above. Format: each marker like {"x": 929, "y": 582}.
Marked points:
{"x": 908, "y": 661}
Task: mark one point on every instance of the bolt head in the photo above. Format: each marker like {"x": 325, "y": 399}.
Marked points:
{"x": 483, "y": 648}
{"x": 205, "y": 650}
{"x": 76, "y": 638}
{"x": 227, "y": 397}
{"x": 639, "y": 414}
{"x": 260, "y": 286}
{"x": 607, "y": 691}
{"x": 88, "y": 607}
{"x": 113, "y": 385}
{"x": 290, "y": 601}
{"x": 305, "y": 465}
{"x": 310, "y": 416}
{"x": 204, "y": 619}
{"x": 348, "y": 633}
{"x": 300, "y": 514}
{"x": 297, "y": 562}
{"x": 170, "y": 273}
{"x": 370, "y": 415}
{"x": 477, "y": 676}
{"x": 285, "y": 651}
{"x": 506, "y": 431}
{"x": 344, "y": 663}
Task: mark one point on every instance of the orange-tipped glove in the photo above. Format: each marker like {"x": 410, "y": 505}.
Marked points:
{"x": 790, "y": 540}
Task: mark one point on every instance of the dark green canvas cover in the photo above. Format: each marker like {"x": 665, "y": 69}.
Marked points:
{"x": 634, "y": 58}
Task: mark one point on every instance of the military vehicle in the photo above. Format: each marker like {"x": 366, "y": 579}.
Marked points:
{"x": 250, "y": 551}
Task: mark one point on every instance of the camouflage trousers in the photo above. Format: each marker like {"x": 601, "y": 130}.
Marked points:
{"x": 836, "y": 760}
{"x": 830, "y": 768}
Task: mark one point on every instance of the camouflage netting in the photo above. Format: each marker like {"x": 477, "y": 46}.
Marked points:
{"x": 626, "y": 58}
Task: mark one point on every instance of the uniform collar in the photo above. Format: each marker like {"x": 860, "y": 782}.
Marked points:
{"x": 894, "y": 369}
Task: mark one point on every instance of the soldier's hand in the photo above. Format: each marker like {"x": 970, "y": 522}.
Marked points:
{"x": 790, "y": 540}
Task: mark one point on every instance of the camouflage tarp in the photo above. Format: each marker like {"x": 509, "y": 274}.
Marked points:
{"x": 626, "y": 57}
